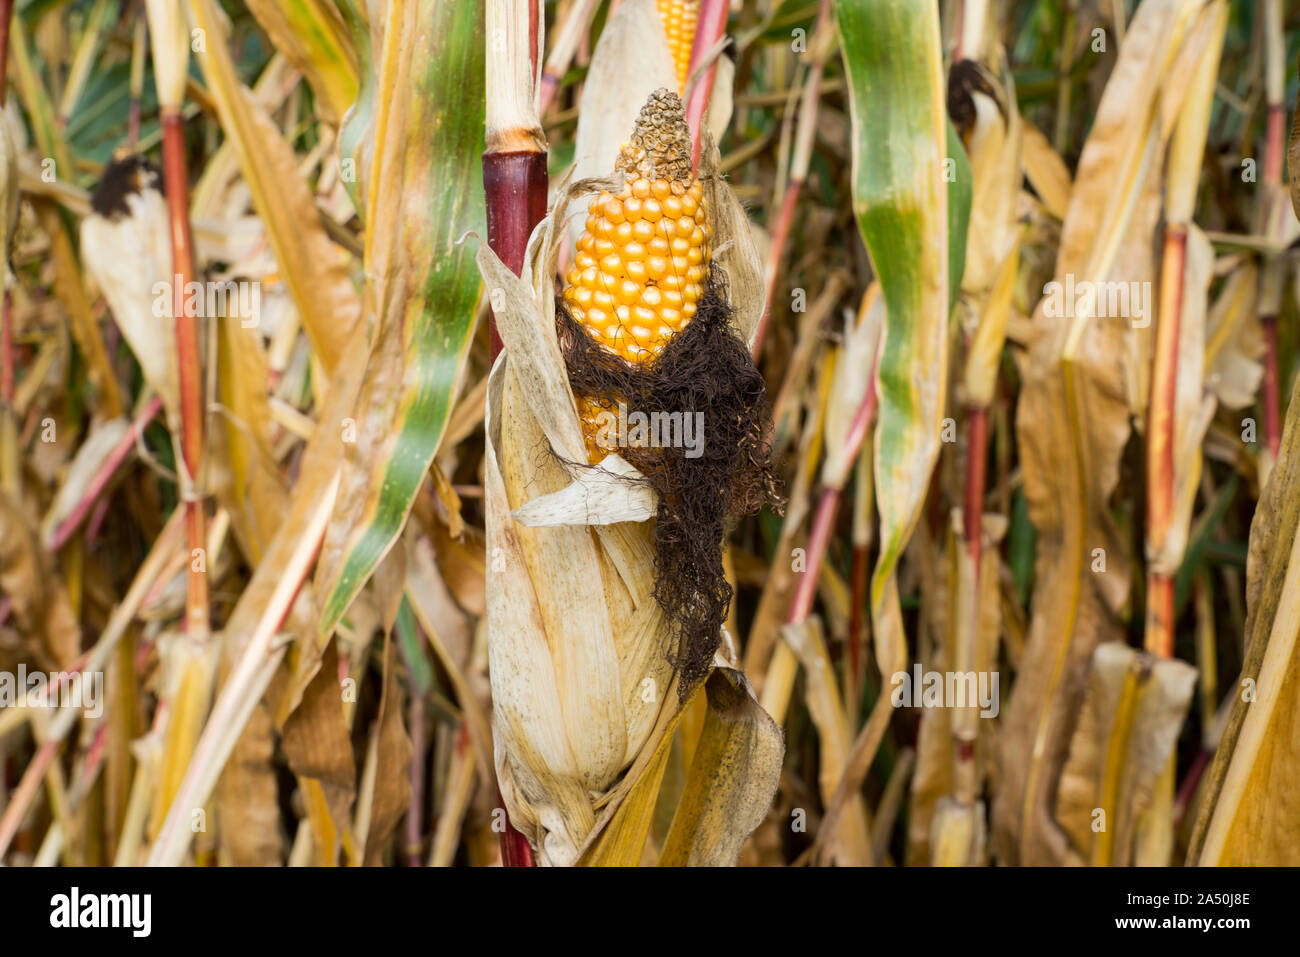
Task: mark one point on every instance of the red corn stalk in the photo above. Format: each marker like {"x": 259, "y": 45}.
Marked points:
{"x": 515, "y": 184}
{"x": 169, "y": 39}
{"x": 810, "y": 102}
{"x": 176, "y": 186}
{"x": 514, "y": 163}
{"x": 105, "y": 474}
{"x": 26, "y": 791}
{"x": 6, "y": 14}
{"x": 515, "y": 181}
{"x": 567, "y": 38}
{"x": 711, "y": 26}
{"x": 828, "y": 508}
{"x": 780, "y": 234}
{"x": 1160, "y": 440}
{"x": 1186, "y": 149}
{"x": 972, "y": 528}
{"x": 1272, "y": 196}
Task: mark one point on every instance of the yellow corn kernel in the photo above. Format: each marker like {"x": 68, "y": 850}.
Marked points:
{"x": 680, "y": 19}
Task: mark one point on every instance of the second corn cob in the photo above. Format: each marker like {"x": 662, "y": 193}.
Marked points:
{"x": 680, "y": 19}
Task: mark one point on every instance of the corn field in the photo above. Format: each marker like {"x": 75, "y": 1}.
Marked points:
{"x": 649, "y": 432}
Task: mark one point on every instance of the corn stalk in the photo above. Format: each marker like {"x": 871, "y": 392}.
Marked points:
{"x": 514, "y": 182}
{"x": 171, "y": 50}
{"x": 1272, "y": 220}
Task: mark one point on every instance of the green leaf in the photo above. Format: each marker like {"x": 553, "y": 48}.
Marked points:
{"x": 422, "y": 193}
{"x": 893, "y": 61}
{"x": 1198, "y": 549}
{"x": 312, "y": 34}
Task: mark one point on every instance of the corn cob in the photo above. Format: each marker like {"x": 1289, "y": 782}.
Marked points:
{"x": 680, "y": 18}
{"x": 641, "y": 261}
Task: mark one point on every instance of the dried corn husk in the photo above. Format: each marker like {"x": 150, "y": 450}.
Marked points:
{"x": 631, "y": 61}
{"x": 1234, "y": 340}
{"x": 992, "y": 243}
{"x": 129, "y": 255}
{"x": 1128, "y": 726}
{"x": 170, "y": 43}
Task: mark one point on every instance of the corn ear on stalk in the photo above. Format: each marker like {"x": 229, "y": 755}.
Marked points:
{"x": 641, "y": 263}
{"x": 595, "y": 639}
{"x": 680, "y": 20}
{"x": 648, "y": 335}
